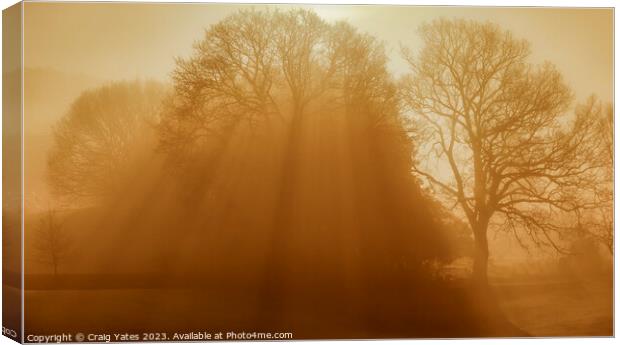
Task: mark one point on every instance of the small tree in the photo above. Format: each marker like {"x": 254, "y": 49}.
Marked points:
{"x": 52, "y": 242}
{"x": 494, "y": 127}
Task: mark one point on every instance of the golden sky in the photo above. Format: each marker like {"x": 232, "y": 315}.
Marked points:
{"x": 126, "y": 41}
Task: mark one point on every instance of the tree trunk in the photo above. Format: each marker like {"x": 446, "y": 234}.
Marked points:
{"x": 481, "y": 255}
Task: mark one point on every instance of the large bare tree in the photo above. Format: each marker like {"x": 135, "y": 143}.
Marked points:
{"x": 493, "y": 136}
{"x": 296, "y": 82}
{"x": 267, "y": 69}
{"x": 252, "y": 67}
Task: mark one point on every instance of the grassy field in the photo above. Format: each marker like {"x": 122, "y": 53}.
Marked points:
{"x": 559, "y": 308}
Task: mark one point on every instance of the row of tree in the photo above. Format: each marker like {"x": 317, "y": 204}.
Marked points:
{"x": 475, "y": 122}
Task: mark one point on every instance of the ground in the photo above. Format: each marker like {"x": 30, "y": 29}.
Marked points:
{"x": 538, "y": 307}
{"x": 559, "y": 308}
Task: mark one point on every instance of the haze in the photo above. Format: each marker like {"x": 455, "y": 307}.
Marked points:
{"x": 127, "y": 41}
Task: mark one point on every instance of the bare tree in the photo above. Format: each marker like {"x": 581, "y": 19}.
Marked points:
{"x": 271, "y": 74}
{"x": 496, "y": 141}
{"x": 104, "y": 130}
{"x": 273, "y": 70}
{"x": 52, "y": 243}
{"x": 246, "y": 70}
{"x": 265, "y": 68}
{"x": 229, "y": 80}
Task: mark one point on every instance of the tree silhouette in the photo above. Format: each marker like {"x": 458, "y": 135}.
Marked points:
{"x": 52, "y": 243}
{"x": 292, "y": 125}
{"x": 95, "y": 142}
{"x": 265, "y": 69}
{"x": 493, "y": 124}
